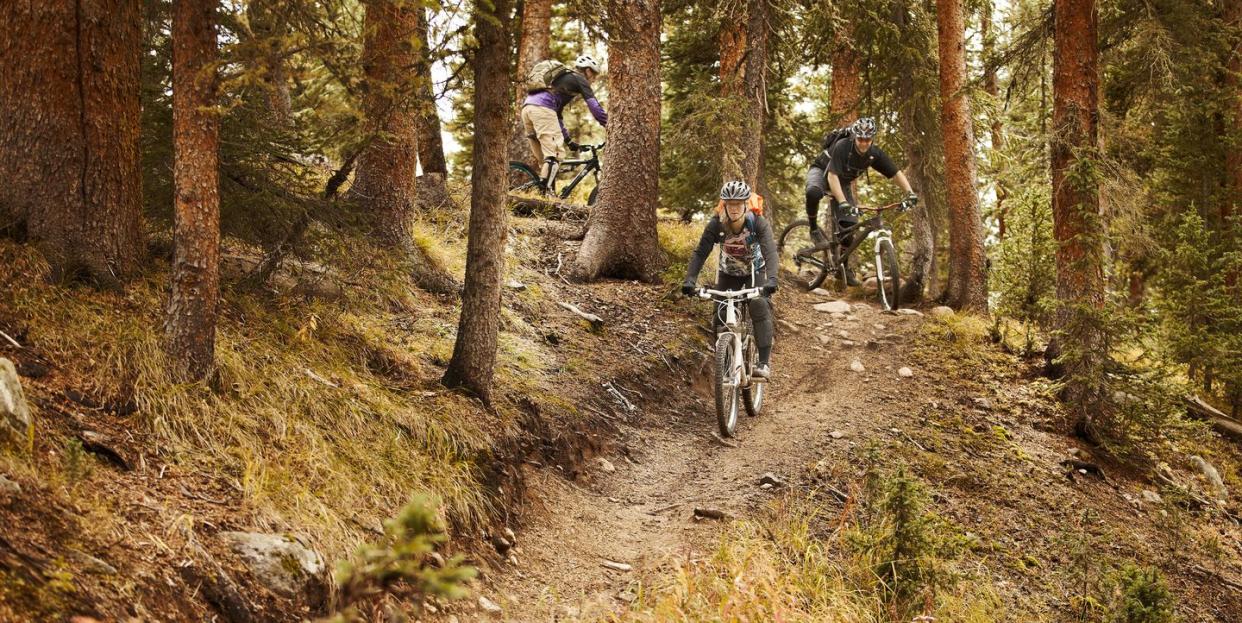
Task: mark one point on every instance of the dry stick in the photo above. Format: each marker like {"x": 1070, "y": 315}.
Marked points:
{"x": 11, "y": 340}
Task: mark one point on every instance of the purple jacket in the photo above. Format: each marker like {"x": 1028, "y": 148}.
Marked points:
{"x": 563, "y": 91}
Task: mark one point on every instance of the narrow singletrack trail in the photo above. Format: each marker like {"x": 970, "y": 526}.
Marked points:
{"x": 641, "y": 513}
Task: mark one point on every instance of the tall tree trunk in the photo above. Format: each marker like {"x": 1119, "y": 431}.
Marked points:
{"x": 846, "y": 77}
{"x": 69, "y": 131}
{"x": 621, "y": 238}
{"x": 743, "y": 76}
{"x": 921, "y": 244}
{"x": 732, "y": 45}
{"x": 968, "y": 287}
{"x": 991, "y": 85}
{"x": 269, "y": 27}
{"x": 432, "y": 186}
{"x": 1233, "y": 81}
{"x": 532, "y": 47}
{"x": 1081, "y": 343}
{"x": 387, "y": 168}
{"x": 191, "y": 316}
{"x": 474, "y": 354}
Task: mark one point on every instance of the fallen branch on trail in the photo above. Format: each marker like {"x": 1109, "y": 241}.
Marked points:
{"x": 552, "y": 208}
{"x": 597, "y": 323}
{"x": 1197, "y": 408}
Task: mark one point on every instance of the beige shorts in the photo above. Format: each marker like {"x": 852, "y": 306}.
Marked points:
{"x": 543, "y": 130}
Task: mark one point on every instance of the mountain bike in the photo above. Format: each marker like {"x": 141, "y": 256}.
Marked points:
{"x": 736, "y": 357}
{"x": 814, "y": 265}
{"x": 530, "y": 180}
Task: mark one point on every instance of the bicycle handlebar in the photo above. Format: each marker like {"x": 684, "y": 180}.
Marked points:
{"x": 747, "y": 294}
{"x": 883, "y": 208}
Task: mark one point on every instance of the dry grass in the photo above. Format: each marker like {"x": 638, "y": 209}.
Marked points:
{"x": 307, "y": 454}
{"x": 794, "y": 564}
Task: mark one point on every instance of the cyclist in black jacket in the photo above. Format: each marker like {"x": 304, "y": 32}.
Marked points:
{"x": 835, "y": 169}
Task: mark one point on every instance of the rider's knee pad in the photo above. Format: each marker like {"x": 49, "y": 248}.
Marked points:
{"x": 814, "y": 194}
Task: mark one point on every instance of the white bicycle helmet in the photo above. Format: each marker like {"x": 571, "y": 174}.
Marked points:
{"x": 864, "y": 128}
{"x": 736, "y": 190}
{"x": 587, "y": 61}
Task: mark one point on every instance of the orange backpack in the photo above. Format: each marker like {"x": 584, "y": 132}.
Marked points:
{"x": 755, "y": 203}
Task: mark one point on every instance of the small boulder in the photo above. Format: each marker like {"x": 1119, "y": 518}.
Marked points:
{"x": 1151, "y": 497}
{"x": 942, "y": 312}
{"x": 516, "y": 285}
{"x": 906, "y": 311}
{"x": 768, "y": 478}
{"x": 983, "y": 403}
{"x": 860, "y": 307}
{"x": 845, "y": 335}
{"x": 836, "y": 434}
{"x": 616, "y": 566}
{"x": 825, "y": 340}
{"x": 905, "y": 372}
{"x": 857, "y": 366}
{"x": 280, "y": 563}
{"x": 833, "y": 307}
{"x": 15, "y": 419}
{"x": 871, "y": 284}
{"x": 488, "y": 605}
{"x": 8, "y": 487}
{"x": 606, "y": 465}
{"x": 821, "y": 292}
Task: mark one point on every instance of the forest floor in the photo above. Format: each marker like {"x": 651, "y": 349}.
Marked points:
{"x": 974, "y": 423}
{"x": 602, "y": 447}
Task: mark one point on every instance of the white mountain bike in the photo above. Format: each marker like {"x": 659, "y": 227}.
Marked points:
{"x": 736, "y": 358}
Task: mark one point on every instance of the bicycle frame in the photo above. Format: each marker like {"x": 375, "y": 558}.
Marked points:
{"x": 872, "y": 226}
{"x": 733, "y": 323}
{"x": 592, "y": 166}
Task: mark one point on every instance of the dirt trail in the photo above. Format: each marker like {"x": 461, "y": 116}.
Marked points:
{"x": 641, "y": 514}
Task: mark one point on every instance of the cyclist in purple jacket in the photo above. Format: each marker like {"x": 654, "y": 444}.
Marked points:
{"x": 542, "y": 120}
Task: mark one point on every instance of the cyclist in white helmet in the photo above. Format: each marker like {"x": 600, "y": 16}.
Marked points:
{"x": 542, "y": 120}
{"x": 747, "y": 259}
{"x": 845, "y": 157}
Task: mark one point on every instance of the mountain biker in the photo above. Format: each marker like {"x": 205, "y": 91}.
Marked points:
{"x": 542, "y": 120}
{"x": 747, "y": 256}
{"x": 841, "y": 162}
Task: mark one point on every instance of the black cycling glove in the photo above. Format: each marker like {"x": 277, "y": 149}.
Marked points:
{"x": 687, "y": 290}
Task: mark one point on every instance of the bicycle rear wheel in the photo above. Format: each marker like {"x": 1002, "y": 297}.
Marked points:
{"x": 888, "y": 277}
{"x": 752, "y": 396}
{"x": 523, "y": 178}
{"x": 726, "y": 383}
{"x": 810, "y": 267}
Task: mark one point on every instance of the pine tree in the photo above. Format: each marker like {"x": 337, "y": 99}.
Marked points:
{"x": 474, "y": 354}
{"x": 69, "y": 134}
{"x": 191, "y": 317}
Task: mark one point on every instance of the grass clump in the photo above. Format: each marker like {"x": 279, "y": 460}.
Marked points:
{"x": 878, "y": 561}
{"x": 403, "y": 563}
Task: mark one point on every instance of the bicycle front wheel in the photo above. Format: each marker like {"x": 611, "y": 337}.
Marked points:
{"x": 727, "y": 382}
{"x": 797, "y": 253}
{"x": 888, "y": 278}
{"x": 752, "y": 396}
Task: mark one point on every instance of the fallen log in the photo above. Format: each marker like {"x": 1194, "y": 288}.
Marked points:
{"x": 1199, "y": 409}
{"x": 552, "y": 208}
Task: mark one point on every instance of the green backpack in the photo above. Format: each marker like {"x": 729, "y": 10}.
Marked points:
{"x": 544, "y": 73}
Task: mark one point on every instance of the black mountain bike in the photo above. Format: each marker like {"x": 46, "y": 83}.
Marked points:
{"x": 814, "y": 265}
{"x": 530, "y": 180}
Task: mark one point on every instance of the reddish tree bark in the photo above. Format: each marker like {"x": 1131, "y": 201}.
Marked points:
{"x": 743, "y": 75}
{"x": 389, "y": 164}
{"x": 474, "y": 353}
{"x": 846, "y": 77}
{"x": 914, "y": 116}
{"x": 388, "y": 167}
{"x": 968, "y": 287}
{"x": 69, "y": 131}
{"x": 1233, "y": 80}
{"x": 991, "y": 85}
{"x": 191, "y": 316}
{"x": 621, "y": 239}
{"x": 430, "y": 143}
{"x": 1081, "y": 344}
{"x": 533, "y": 46}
